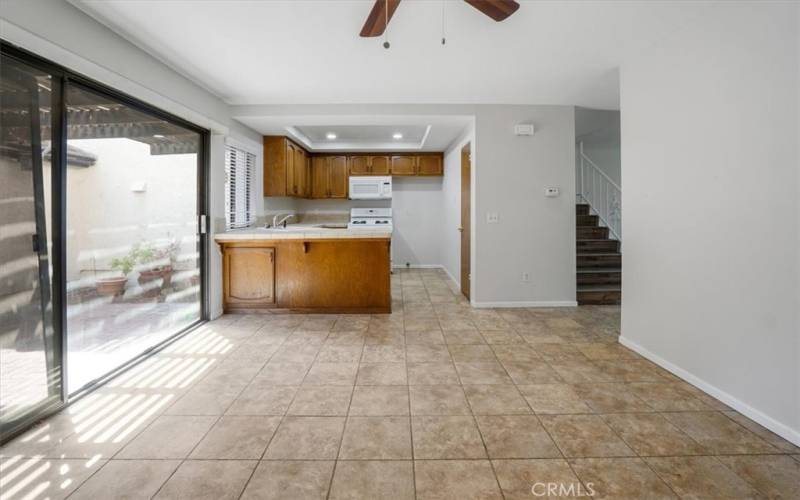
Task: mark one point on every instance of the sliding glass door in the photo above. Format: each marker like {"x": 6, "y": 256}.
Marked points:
{"x": 101, "y": 249}
{"x": 133, "y": 248}
{"x": 30, "y": 368}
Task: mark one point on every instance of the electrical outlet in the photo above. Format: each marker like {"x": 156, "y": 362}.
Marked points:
{"x": 492, "y": 217}
{"x": 526, "y": 277}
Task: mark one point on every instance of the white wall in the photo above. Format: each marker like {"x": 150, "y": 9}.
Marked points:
{"x": 710, "y": 167}
{"x": 418, "y": 222}
{"x": 598, "y": 130}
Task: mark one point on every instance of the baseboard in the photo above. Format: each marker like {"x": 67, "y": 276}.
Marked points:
{"x": 452, "y": 278}
{"x": 535, "y": 303}
{"x": 748, "y": 411}
{"x": 418, "y": 266}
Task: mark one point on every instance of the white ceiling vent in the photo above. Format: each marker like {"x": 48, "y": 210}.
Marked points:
{"x": 523, "y": 129}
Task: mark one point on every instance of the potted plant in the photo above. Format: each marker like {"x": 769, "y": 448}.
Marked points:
{"x": 115, "y": 285}
{"x": 156, "y": 262}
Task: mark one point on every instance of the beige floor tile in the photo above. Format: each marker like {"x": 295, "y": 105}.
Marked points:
{"x": 502, "y": 337}
{"x": 296, "y": 480}
{"x": 421, "y": 324}
{"x": 620, "y": 478}
{"x": 518, "y": 436}
{"x": 559, "y": 352}
{"x": 43, "y": 478}
{"x": 718, "y": 433}
{"x": 630, "y": 370}
{"x": 578, "y": 372}
{"x": 456, "y": 480}
{"x": 374, "y": 480}
{"x": 377, "y": 400}
{"x": 531, "y": 372}
{"x": 306, "y": 438}
{"x": 665, "y": 396}
{"x": 650, "y": 434}
{"x": 353, "y": 339}
{"x": 127, "y": 479}
{"x": 554, "y": 399}
{"x": 331, "y": 374}
{"x": 243, "y": 438}
{"x": 482, "y": 373}
{"x": 602, "y": 351}
{"x": 454, "y": 323}
{"x": 428, "y": 353}
{"x": 515, "y": 352}
{"x": 432, "y": 373}
{"x": 205, "y": 400}
{"x": 321, "y": 400}
{"x": 376, "y": 438}
{"x": 302, "y": 354}
{"x": 495, "y": 400}
{"x": 765, "y": 434}
{"x": 465, "y": 336}
{"x": 526, "y": 479}
{"x": 446, "y": 438}
{"x": 168, "y": 437}
{"x": 208, "y": 479}
{"x": 584, "y": 436}
{"x": 340, "y": 353}
{"x": 701, "y": 478}
{"x": 383, "y": 354}
{"x": 438, "y": 400}
{"x": 425, "y": 337}
{"x": 282, "y": 373}
{"x": 775, "y": 476}
{"x": 382, "y": 374}
{"x": 610, "y": 398}
{"x": 472, "y": 353}
{"x": 261, "y": 398}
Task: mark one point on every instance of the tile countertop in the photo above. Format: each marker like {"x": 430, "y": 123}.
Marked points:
{"x": 300, "y": 231}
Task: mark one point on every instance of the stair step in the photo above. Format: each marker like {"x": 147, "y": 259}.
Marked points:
{"x": 598, "y": 295}
{"x": 587, "y": 220}
{"x": 587, "y": 260}
{"x": 599, "y": 276}
{"x": 582, "y": 209}
{"x": 591, "y": 232}
{"x": 597, "y": 246}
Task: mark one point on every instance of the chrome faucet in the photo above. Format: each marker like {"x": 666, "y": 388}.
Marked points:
{"x": 276, "y": 222}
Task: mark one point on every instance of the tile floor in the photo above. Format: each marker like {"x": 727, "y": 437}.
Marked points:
{"x": 434, "y": 401}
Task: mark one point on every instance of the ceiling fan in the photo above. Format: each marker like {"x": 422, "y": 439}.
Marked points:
{"x": 383, "y": 10}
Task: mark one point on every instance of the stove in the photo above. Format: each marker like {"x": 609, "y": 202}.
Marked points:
{"x": 370, "y": 218}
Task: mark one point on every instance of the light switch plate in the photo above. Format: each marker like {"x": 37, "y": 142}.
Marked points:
{"x": 492, "y": 217}
{"x": 552, "y": 192}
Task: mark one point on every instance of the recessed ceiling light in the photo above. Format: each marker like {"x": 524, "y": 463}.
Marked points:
{"x": 398, "y": 135}
{"x": 331, "y": 136}
{"x": 158, "y": 136}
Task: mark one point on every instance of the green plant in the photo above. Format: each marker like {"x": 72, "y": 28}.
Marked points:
{"x": 123, "y": 264}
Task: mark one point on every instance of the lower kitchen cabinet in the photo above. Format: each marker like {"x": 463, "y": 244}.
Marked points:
{"x": 248, "y": 276}
{"x": 339, "y": 275}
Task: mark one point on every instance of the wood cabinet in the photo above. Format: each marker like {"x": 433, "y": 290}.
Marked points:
{"x": 430, "y": 165}
{"x": 404, "y": 165}
{"x": 314, "y": 275}
{"x": 370, "y": 165}
{"x": 249, "y": 277}
{"x": 329, "y": 177}
{"x": 286, "y": 168}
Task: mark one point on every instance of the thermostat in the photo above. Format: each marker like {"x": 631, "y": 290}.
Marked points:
{"x": 523, "y": 129}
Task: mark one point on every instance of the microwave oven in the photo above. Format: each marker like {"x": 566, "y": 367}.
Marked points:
{"x": 372, "y": 187}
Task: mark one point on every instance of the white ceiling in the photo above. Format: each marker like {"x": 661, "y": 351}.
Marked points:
{"x": 362, "y": 132}
{"x": 309, "y": 51}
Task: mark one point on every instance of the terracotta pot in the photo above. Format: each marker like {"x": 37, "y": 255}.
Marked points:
{"x": 162, "y": 272}
{"x": 111, "y": 286}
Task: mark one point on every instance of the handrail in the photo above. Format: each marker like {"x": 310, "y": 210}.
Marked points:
{"x": 604, "y": 199}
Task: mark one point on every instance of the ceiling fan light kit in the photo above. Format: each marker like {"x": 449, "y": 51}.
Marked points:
{"x": 383, "y": 10}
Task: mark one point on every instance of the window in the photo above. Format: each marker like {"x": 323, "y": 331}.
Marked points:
{"x": 239, "y": 166}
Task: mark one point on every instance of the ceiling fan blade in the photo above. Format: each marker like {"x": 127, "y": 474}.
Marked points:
{"x": 496, "y": 9}
{"x": 378, "y": 18}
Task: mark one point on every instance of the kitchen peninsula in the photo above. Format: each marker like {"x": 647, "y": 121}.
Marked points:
{"x": 306, "y": 268}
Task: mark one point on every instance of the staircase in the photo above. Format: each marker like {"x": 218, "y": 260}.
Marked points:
{"x": 599, "y": 270}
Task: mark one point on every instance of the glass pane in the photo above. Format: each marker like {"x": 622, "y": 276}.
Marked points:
{"x": 30, "y": 373}
{"x": 133, "y": 259}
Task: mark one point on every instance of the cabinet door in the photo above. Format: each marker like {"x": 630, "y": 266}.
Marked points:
{"x": 249, "y": 277}
{"x": 319, "y": 177}
{"x": 359, "y": 165}
{"x": 379, "y": 165}
{"x": 430, "y": 165}
{"x": 337, "y": 177}
{"x": 307, "y": 192}
{"x": 404, "y": 165}
{"x": 299, "y": 172}
{"x": 291, "y": 179}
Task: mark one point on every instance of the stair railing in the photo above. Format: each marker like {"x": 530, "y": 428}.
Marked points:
{"x": 603, "y": 195}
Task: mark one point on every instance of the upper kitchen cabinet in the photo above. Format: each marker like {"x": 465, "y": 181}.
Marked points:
{"x": 369, "y": 165}
{"x": 404, "y": 165}
{"x": 430, "y": 165}
{"x": 286, "y": 168}
{"x": 329, "y": 177}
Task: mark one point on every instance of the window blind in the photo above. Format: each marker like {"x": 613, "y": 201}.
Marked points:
{"x": 239, "y": 170}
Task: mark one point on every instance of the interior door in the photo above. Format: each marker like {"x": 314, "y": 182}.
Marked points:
{"x": 466, "y": 199}
{"x": 337, "y": 177}
{"x": 30, "y": 358}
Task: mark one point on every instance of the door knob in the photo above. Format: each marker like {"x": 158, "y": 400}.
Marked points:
{"x": 460, "y": 229}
